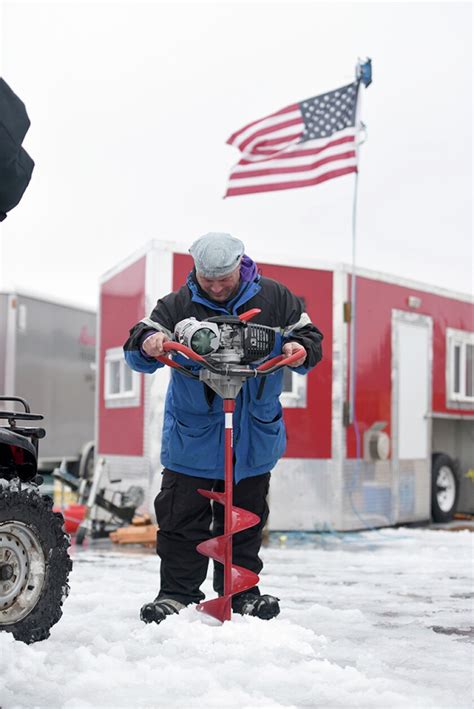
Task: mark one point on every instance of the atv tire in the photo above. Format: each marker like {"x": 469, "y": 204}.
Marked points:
{"x": 34, "y": 564}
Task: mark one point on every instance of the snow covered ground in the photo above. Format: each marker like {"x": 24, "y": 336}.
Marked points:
{"x": 380, "y": 619}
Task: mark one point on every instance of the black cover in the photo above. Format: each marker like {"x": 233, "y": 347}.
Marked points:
{"x": 16, "y": 166}
{"x": 17, "y": 456}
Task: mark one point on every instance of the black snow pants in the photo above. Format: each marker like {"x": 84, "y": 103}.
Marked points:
{"x": 186, "y": 518}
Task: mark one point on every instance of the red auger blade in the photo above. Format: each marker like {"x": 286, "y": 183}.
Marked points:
{"x": 217, "y": 496}
{"x": 242, "y": 519}
{"x": 242, "y": 579}
{"x": 236, "y": 578}
{"x": 213, "y": 548}
{"x": 217, "y": 607}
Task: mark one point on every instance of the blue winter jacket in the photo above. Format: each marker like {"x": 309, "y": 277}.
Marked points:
{"x": 193, "y": 430}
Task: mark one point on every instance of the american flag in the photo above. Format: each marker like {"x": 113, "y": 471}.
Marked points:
{"x": 300, "y": 145}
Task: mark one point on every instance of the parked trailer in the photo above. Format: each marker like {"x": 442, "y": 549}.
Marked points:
{"x": 47, "y": 355}
{"x": 411, "y": 443}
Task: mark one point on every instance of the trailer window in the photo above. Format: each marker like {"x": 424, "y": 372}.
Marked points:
{"x": 294, "y": 389}
{"x": 121, "y": 385}
{"x": 460, "y": 366}
{"x": 114, "y": 377}
{"x": 294, "y": 385}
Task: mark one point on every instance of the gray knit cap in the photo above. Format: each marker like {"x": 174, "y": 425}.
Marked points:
{"x": 215, "y": 254}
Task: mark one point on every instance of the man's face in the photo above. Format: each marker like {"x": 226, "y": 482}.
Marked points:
{"x": 220, "y": 289}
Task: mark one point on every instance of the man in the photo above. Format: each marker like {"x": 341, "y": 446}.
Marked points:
{"x": 224, "y": 280}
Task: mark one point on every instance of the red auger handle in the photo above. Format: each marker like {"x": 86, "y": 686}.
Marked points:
{"x": 267, "y": 367}
{"x": 249, "y": 314}
{"x": 280, "y": 361}
{"x": 188, "y": 352}
{"x": 178, "y": 347}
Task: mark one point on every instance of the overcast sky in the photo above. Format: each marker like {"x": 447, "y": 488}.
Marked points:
{"x": 131, "y": 104}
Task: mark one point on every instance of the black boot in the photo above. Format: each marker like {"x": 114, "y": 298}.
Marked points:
{"x": 264, "y": 607}
{"x": 157, "y": 610}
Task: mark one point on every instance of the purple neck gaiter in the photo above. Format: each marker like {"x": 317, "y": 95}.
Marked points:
{"x": 248, "y": 269}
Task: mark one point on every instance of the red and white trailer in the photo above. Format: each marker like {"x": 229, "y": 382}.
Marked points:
{"x": 414, "y": 394}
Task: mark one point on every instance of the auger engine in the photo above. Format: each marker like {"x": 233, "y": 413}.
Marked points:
{"x": 226, "y": 339}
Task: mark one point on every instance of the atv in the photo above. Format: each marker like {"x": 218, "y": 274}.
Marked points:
{"x": 34, "y": 559}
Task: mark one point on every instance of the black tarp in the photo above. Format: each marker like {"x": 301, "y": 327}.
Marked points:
{"x": 16, "y": 165}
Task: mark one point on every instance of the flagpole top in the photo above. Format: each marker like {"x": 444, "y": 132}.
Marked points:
{"x": 363, "y": 71}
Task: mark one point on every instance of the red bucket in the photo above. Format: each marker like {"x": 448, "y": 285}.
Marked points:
{"x": 73, "y": 515}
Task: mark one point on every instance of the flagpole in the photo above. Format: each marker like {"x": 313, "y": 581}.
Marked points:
{"x": 353, "y": 322}
{"x": 352, "y": 362}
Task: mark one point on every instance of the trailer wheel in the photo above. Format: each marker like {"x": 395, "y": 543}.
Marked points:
{"x": 445, "y": 488}
{"x": 34, "y": 564}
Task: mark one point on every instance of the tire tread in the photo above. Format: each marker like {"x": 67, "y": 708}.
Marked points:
{"x": 28, "y": 506}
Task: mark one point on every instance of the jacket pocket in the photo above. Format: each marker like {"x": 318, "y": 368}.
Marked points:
{"x": 267, "y": 440}
{"x": 195, "y": 447}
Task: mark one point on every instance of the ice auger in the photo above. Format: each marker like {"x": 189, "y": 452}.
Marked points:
{"x": 223, "y": 345}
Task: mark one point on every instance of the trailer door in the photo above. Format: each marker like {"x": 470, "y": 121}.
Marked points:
{"x": 412, "y": 385}
{"x": 411, "y": 420}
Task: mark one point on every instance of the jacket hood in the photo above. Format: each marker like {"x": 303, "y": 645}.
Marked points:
{"x": 248, "y": 269}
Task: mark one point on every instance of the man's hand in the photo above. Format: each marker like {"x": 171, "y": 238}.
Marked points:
{"x": 153, "y": 345}
{"x": 290, "y": 348}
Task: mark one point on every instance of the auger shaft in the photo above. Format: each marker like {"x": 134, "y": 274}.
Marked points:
{"x": 229, "y": 407}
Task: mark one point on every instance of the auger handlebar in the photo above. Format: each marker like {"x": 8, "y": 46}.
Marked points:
{"x": 225, "y": 369}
